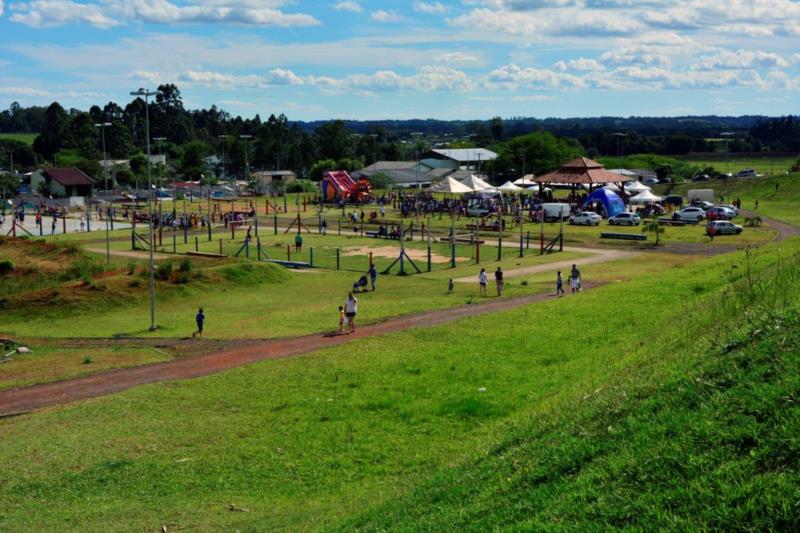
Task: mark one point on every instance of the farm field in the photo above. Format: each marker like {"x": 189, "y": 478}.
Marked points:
{"x": 768, "y": 165}
{"x": 339, "y": 438}
{"x": 26, "y": 138}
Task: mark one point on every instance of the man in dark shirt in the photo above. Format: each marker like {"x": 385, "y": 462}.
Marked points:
{"x": 498, "y": 279}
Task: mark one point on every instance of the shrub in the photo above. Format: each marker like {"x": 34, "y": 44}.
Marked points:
{"x": 6, "y": 267}
{"x": 87, "y": 360}
{"x": 752, "y": 222}
{"x": 164, "y": 271}
{"x": 301, "y": 186}
{"x": 185, "y": 266}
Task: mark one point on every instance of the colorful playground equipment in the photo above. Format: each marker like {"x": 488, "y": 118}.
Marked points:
{"x": 338, "y": 184}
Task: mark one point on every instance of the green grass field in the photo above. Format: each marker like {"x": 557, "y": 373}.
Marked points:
{"x": 529, "y": 418}
{"x": 767, "y": 165}
{"x": 26, "y": 138}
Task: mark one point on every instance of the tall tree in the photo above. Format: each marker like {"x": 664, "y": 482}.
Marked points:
{"x": 54, "y": 134}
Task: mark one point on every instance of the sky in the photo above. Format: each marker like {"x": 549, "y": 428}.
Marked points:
{"x": 379, "y": 59}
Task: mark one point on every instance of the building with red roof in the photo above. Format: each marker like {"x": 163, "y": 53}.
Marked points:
{"x": 62, "y": 182}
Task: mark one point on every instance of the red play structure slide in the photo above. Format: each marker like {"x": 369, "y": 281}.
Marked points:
{"x": 339, "y": 184}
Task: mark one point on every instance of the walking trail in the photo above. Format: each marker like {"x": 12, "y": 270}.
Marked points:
{"x": 599, "y": 256}
{"x": 26, "y": 399}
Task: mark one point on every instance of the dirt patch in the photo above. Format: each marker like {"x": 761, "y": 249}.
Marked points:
{"x": 392, "y": 252}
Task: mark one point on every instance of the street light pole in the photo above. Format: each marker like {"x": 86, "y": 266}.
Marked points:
{"x": 103, "y": 127}
{"x": 223, "y": 137}
{"x": 246, "y": 158}
{"x": 147, "y": 94}
{"x": 160, "y": 140}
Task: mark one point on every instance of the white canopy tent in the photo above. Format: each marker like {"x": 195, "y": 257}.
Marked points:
{"x": 450, "y": 186}
{"x": 613, "y": 187}
{"x": 535, "y": 189}
{"x": 510, "y": 188}
{"x": 526, "y": 180}
{"x": 635, "y": 187}
{"x": 476, "y": 184}
{"x": 645, "y": 197}
{"x": 624, "y": 172}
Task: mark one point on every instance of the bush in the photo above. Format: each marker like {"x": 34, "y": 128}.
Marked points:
{"x": 301, "y": 186}
{"x": 185, "y": 266}
{"x": 6, "y": 267}
{"x": 131, "y": 268}
{"x": 752, "y": 222}
{"x": 164, "y": 271}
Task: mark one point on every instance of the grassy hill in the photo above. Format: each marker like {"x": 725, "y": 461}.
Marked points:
{"x": 653, "y": 402}
{"x": 778, "y": 197}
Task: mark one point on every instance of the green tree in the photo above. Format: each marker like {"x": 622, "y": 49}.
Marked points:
{"x": 541, "y": 152}
{"x": 9, "y": 183}
{"x": 654, "y": 227}
{"x": 192, "y": 164}
{"x": 318, "y": 168}
{"x": 54, "y": 134}
{"x": 333, "y": 140}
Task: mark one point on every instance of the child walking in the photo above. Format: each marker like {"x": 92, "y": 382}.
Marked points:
{"x": 559, "y": 285}
{"x": 200, "y": 318}
{"x": 341, "y": 319}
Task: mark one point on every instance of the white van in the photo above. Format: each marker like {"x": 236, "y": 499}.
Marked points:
{"x": 555, "y": 211}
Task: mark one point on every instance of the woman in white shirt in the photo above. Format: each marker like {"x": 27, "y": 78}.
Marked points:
{"x": 350, "y": 310}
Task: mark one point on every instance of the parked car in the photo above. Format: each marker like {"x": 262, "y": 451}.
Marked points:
{"x": 746, "y": 173}
{"x": 674, "y": 200}
{"x": 705, "y": 206}
{"x": 689, "y": 214}
{"x": 650, "y": 181}
{"x": 720, "y": 213}
{"x": 725, "y": 176}
{"x": 701, "y": 177}
{"x": 732, "y": 208}
{"x": 723, "y": 227}
{"x": 625, "y": 219}
{"x": 585, "y": 218}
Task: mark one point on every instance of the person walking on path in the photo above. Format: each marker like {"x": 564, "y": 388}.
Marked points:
{"x": 324, "y": 227}
{"x": 373, "y": 276}
{"x": 575, "y": 279}
{"x": 200, "y": 319}
{"x": 350, "y": 310}
{"x": 498, "y": 280}
{"x": 483, "y": 280}
{"x": 298, "y": 243}
{"x": 559, "y": 285}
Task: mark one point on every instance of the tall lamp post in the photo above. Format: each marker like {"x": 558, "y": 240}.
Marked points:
{"x": 144, "y": 93}
{"x": 103, "y": 127}
{"x": 223, "y": 137}
{"x": 246, "y": 159}
{"x": 159, "y": 141}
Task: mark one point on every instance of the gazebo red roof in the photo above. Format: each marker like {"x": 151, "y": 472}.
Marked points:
{"x": 68, "y": 176}
{"x": 582, "y": 171}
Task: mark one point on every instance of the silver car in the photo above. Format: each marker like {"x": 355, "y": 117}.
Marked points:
{"x": 723, "y": 227}
{"x": 625, "y": 219}
{"x": 585, "y": 218}
{"x": 689, "y": 214}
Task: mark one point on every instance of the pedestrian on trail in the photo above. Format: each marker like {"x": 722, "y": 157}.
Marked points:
{"x": 559, "y": 285}
{"x": 324, "y": 227}
{"x": 298, "y": 243}
{"x": 483, "y": 280}
{"x": 498, "y": 280}
{"x": 350, "y": 310}
{"x": 575, "y": 279}
{"x": 200, "y": 319}
{"x": 53, "y": 227}
{"x": 342, "y": 319}
{"x": 756, "y": 209}
{"x": 249, "y": 234}
{"x": 373, "y": 276}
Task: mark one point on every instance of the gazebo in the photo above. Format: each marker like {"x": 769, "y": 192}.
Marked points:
{"x": 476, "y": 184}
{"x": 583, "y": 171}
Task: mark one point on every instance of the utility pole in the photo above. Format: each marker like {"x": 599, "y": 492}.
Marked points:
{"x": 103, "y": 127}
{"x": 246, "y": 159}
{"x": 147, "y": 94}
{"x": 223, "y": 137}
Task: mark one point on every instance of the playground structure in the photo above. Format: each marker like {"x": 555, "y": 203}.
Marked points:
{"x": 338, "y": 184}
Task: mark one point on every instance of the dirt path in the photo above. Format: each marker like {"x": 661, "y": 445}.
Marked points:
{"x": 600, "y": 256}
{"x": 784, "y": 230}
{"x": 26, "y": 399}
{"x": 129, "y": 253}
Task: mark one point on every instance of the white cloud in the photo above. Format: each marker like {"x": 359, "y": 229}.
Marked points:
{"x": 581, "y": 65}
{"x": 387, "y": 16}
{"x": 533, "y": 98}
{"x": 280, "y": 76}
{"x": 348, "y": 5}
{"x": 430, "y": 8}
{"x": 796, "y": 58}
{"x": 740, "y": 59}
{"x": 512, "y": 76}
{"x": 111, "y": 13}
{"x": 427, "y": 79}
{"x": 455, "y": 57}
{"x": 631, "y": 56}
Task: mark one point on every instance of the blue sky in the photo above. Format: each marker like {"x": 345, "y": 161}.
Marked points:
{"x": 376, "y": 59}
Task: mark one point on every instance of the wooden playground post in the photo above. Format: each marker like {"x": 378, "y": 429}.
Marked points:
{"x": 370, "y": 259}
{"x": 220, "y": 247}
{"x": 275, "y": 223}
{"x": 337, "y": 258}
{"x": 174, "y": 244}
{"x": 500, "y": 247}
{"x": 64, "y": 223}
{"x": 233, "y": 231}
{"x": 477, "y": 252}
